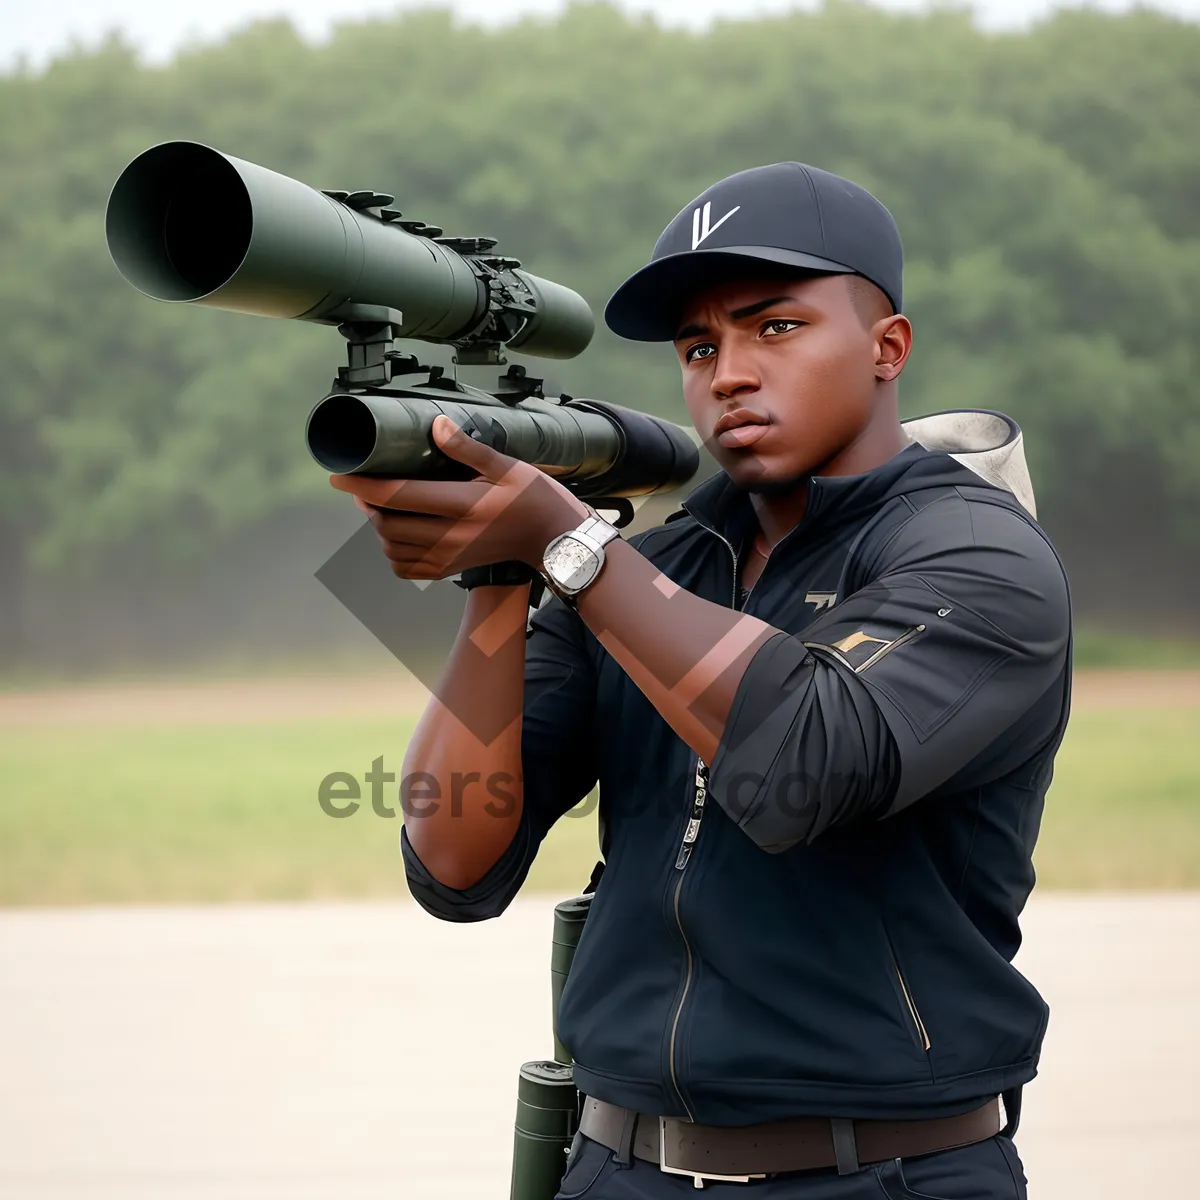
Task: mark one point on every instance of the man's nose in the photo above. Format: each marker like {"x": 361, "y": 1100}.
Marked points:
{"x": 735, "y": 372}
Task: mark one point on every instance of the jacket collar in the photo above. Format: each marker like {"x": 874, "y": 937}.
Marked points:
{"x": 946, "y": 448}
{"x": 725, "y": 509}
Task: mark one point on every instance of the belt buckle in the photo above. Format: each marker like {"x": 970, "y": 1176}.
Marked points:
{"x": 698, "y": 1177}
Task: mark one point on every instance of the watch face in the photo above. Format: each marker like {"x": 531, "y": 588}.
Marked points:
{"x": 570, "y": 564}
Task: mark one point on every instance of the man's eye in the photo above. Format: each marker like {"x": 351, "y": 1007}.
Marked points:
{"x": 781, "y": 326}
{"x": 701, "y": 351}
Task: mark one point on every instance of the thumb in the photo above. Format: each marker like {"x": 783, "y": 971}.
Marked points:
{"x": 452, "y": 441}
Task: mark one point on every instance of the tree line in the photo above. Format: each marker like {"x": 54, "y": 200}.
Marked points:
{"x": 1046, "y": 185}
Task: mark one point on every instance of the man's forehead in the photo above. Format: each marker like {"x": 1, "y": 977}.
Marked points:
{"x": 731, "y": 294}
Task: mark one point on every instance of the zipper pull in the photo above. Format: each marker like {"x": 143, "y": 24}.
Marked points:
{"x": 692, "y": 831}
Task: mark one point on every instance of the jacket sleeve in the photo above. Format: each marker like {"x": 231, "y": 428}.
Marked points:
{"x": 558, "y": 764}
{"x": 963, "y": 627}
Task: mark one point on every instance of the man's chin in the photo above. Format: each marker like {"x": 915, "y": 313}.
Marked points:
{"x": 760, "y": 479}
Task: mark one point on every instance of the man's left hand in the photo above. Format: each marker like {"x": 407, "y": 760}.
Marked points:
{"x": 430, "y": 529}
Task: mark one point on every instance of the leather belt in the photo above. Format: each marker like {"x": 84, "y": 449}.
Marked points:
{"x": 739, "y": 1153}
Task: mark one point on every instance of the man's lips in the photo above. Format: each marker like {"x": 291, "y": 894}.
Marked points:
{"x": 741, "y": 427}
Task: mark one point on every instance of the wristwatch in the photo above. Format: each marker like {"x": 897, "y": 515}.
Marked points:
{"x": 573, "y": 560}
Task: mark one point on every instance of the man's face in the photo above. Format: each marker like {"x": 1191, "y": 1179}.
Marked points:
{"x": 779, "y": 376}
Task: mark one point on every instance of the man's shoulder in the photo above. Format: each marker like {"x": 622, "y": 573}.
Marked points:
{"x": 982, "y": 545}
{"x": 964, "y": 518}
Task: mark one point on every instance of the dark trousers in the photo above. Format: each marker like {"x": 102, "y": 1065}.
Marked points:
{"x": 988, "y": 1170}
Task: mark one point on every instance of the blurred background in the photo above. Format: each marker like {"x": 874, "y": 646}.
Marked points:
{"x": 161, "y": 518}
{"x": 175, "y": 682}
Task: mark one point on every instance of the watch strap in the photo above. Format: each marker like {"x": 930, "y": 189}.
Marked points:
{"x": 500, "y": 574}
{"x": 505, "y": 574}
{"x": 595, "y": 532}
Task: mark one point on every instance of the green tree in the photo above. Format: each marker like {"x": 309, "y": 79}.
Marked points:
{"x": 1046, "y": 184}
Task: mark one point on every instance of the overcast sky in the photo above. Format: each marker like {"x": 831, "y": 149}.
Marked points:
{"x": 40, "y": 28}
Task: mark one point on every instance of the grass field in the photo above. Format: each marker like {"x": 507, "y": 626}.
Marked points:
{"x": 212, "y": 812}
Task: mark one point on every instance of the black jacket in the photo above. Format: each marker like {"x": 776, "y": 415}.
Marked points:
{"x": 837, "y": 939}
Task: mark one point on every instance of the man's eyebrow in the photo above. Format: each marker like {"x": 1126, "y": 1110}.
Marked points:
{"x": 738, "y": 314}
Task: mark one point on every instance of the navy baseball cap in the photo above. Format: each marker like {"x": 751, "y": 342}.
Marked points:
{"x": 788, "y": 214}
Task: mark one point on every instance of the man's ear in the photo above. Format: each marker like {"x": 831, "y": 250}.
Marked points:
{"x": 893, "y": 343}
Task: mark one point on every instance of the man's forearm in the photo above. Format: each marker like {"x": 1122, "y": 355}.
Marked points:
{"x": 463, "y": 764}
{"x": 686, "y": 654}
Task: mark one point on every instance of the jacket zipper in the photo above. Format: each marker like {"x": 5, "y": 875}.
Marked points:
{"x": 918, "y": 1024}
{"x": 691, "y": 832}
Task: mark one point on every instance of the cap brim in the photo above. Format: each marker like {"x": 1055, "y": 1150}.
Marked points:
{"x": 647, "y": 306}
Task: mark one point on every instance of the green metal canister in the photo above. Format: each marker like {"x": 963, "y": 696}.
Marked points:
{"x": 547, "y": 1100}
{"x": 547, "y": 1117}
{"x": 569, "y": 917}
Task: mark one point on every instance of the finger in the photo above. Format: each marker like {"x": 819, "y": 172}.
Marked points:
{"x": 436, "y": 497}
{"x": 364, "y": 489}
{"x": 454, "y": 443}
{"x": 413, "y": 568}
{"x": 441, "y": 498}
{"x": 415, "y": 532}
{"x": 365, "y": 492}
{"x": 418, "y": 571}
{"x": 417, "y": 562}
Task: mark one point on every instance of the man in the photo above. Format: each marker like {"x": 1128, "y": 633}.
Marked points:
{"x": 822, "y": 705}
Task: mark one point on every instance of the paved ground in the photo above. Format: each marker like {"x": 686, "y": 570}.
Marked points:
{"x": 397, "y": 691}
{"x": 366, "y": 1050}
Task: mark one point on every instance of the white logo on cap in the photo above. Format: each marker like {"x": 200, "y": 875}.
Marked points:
{"x": 700, "y": 226}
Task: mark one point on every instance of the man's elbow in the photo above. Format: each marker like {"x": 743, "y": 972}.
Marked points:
{"x": 796, "y": 808}
{"x": 458, "y": 911}
{"x": 456, "y": 871}
{"x": 452, "y": 888}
